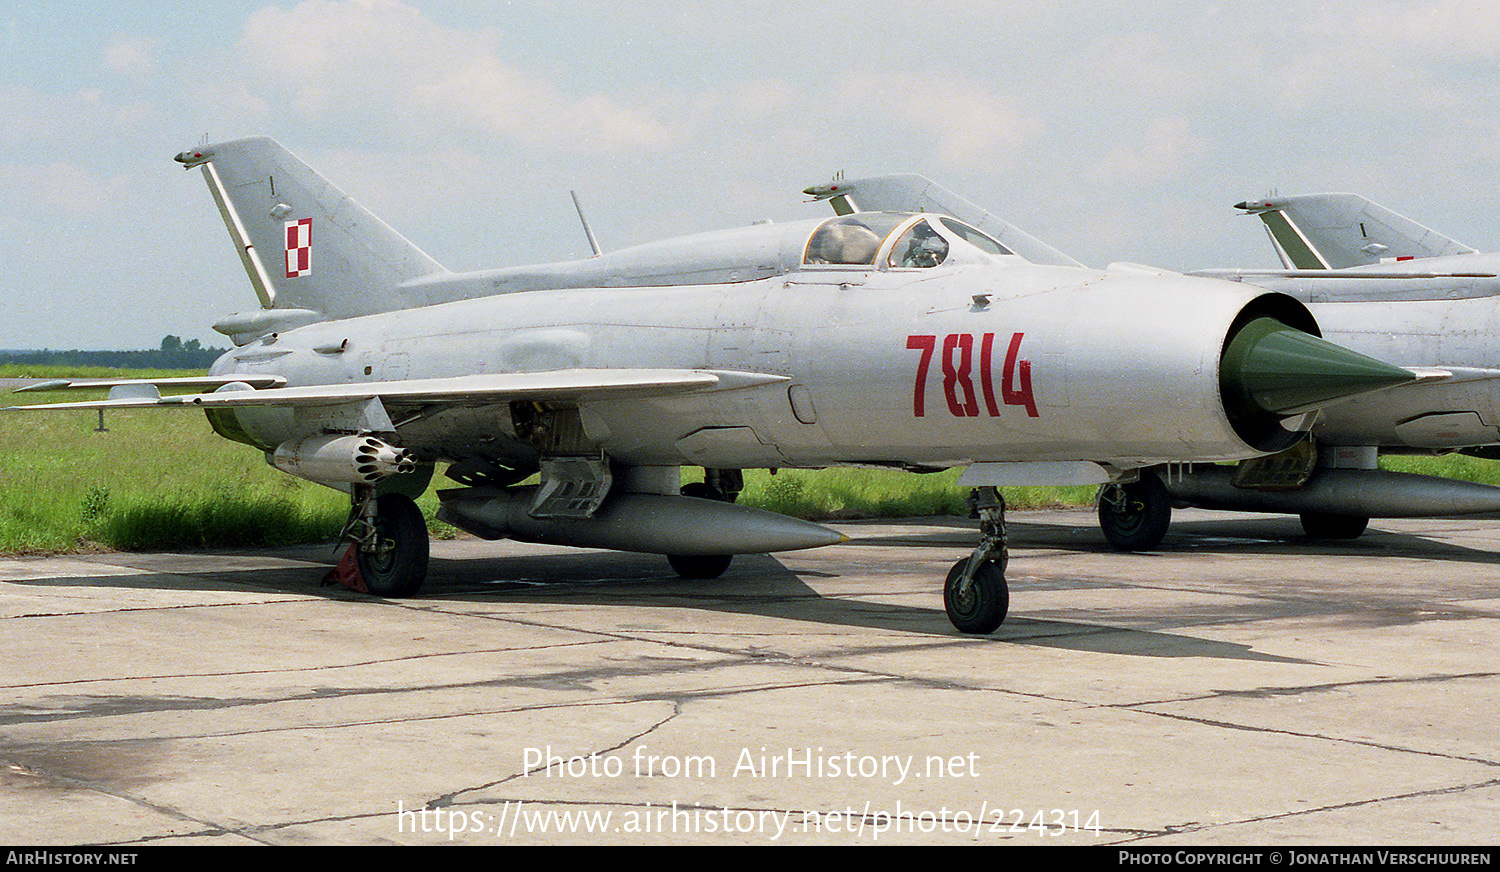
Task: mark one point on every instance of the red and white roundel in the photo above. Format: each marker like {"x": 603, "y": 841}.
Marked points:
{"x": 298, "y": 247}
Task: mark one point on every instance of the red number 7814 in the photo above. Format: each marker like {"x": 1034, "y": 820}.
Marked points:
{"x": 958, "y": 384}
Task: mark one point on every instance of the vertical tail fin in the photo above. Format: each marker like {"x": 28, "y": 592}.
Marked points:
{"x": 304, "y": 243}
{"x": 1336, "y": 231}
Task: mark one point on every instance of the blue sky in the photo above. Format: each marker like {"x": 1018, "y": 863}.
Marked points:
{"x": 1116, "y": 131}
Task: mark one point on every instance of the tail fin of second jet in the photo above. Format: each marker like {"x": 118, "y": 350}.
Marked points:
{"x": 1335, "y": 231}
{"x": 304, "y": 243}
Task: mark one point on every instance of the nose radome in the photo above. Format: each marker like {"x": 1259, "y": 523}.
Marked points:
{"x": 1283, "y": 370}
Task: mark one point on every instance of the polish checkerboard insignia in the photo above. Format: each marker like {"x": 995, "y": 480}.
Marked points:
{"x": 298, "y": 247}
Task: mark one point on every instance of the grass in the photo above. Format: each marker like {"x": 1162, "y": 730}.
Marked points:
{"x": 1459, "y": 466}
{"x": 164, "y": 479}
{"x": 156, "y": 479}
{"x": 27, "y": 370}
{"x": 842, "y": 494}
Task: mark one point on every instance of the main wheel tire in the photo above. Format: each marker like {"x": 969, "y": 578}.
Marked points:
{"x": 398, "y": 565}
{"x": 704, "y": 491}
{"x": 1325, "y": 526}
{"x": 702, "y": 566}
{"x": 981, "y": 608}
{"x": 1137, "y": 517}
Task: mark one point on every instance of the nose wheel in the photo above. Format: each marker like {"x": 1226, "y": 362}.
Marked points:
{"x": 975, "y": 594}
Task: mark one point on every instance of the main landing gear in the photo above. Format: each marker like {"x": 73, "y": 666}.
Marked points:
{"x": 1135, "y": 516}
{"x": 1319, "y": 525}
{"x": 706, "y": 566}
{"x": 975, "y": 595}
{"x": 388, "y": 544}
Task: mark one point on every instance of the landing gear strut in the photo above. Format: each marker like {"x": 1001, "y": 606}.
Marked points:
{"x": 389, "y": 540}
{"x": 975, "y": 594}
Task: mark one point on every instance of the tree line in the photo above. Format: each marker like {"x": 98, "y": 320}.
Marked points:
{"x": 172, "y": 354}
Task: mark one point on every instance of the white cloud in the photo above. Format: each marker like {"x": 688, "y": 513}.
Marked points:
{"x": 1116, "y": 131}
{"x": 36, "y": 119}
{"x": 1167, "y": 150}
{"x": 345, "y": 58}
{"x": 1386, "y": 56}
{"x": 59, "y": 186}
{"x": 955, "y": 121}
{"x": 132, "y": 56}
{"x": 1441, "y": 32}
{"x": 983, "y": 132}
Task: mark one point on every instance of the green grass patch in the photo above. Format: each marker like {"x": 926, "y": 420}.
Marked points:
{"x": 163, "y": 479}
{"x": 846, "y": 494}
{"x": 1459, "y": 466}
{"x": 50, "y": 370}
{"x": 201, "y": 520}
{"x": 155, "y": 479}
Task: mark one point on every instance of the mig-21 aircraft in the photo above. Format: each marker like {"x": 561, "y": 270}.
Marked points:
{"x": 1377, "y": 282}
{"x": 894, "y": 339}
{"x": 1388, "y": 286}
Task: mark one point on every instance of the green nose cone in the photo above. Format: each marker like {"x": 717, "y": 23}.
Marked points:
{"x": 1278, "y": 369}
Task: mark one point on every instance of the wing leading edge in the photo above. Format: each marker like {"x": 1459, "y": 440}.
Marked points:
{"x": 569, "y": 384}
{"x": 205, "y": 381}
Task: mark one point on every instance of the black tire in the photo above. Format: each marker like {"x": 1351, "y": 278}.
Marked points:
{"x": 983, "y": 607}
{"x": 398, "y": 565}
{"x": 1136, "y": 516}
{"x": 1324, "y": 526}
{"x": 704, "y": 491}
{"x": 701, "y": 566}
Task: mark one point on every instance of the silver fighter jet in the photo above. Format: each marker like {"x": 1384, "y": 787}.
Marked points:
{"x": 1377, "y": 282}
{"x": 1388, "y": 286}
{"x": 896, "y": 339}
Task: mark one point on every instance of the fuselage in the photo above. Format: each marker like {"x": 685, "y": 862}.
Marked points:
{"x": 1452, "y": 323}
{"x": 983, "y": 357}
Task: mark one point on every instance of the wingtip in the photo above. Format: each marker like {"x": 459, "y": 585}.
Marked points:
{"x": 52, "y": 385}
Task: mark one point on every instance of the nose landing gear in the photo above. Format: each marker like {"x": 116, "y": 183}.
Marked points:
{"x": 975, "y": 594}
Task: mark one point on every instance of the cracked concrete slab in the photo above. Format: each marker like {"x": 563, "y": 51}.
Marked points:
{"x": 1243, "y": 685}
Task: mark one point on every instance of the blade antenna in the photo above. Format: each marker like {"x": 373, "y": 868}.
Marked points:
{"x": 587, "y": 230}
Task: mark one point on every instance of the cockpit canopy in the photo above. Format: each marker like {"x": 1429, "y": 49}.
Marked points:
{"x": 908, "y": 241}
{"x": 858, "y": 241}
